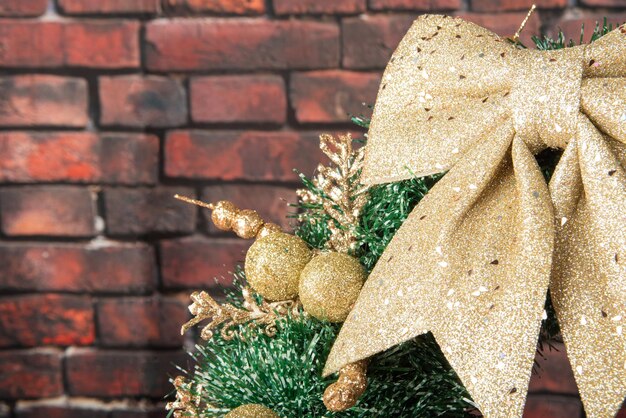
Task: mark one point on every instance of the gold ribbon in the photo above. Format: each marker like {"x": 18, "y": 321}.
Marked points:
{"x": 473, "y": 262}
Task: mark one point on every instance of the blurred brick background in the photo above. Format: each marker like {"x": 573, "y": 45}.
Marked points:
{"x": 109, "y": 107}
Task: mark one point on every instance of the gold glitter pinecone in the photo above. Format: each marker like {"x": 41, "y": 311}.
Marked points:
{"x": 274, "y": 263}
{"x": 252, "y": 411}
{"x": 330, "y": 284}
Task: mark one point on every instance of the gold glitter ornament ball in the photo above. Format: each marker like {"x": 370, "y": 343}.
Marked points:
{"x": 273, "y": 265}
{"x": 330, "y": 284}
{"x": 252, "y": 411}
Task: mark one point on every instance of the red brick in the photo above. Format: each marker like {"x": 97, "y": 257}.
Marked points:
{"x": 506, "y": 24}
{"x": 496, "y": 6}
{"x": 287, "y": 7}
{"x": 129, "y": 158}
{"x": 28, "y": 43}
{"x": 105, "y": 373}
{"x": 23, "y": 7}
{"x": 104, "y": 44}
{"x": 79, "y": 7}
{"x": 89, "y": 44}
{"x": 236, "y": 7}
{"x": 141, "y": 321}
{"x": 251, "y": 44}
{"x": 33, "y": 320}
{"x": 200, "y": 263}
{"x": 43, "y": 100}
{"x": 132, "y": 211}
{"x": 47, "y": 210}
{"x": 106, "y": 268}
{"x": 236, "y": 99}
{"x": 32, "y": 373}
{"x": 554, "y": 373}
{"x": 270, "y": 201}
{"x": 52, "y": 409}
{"x": 141, "y": 101}
{"x": 421, "y": 5}
{"x": 604, "y": 3}
{"x": 234, "y": 155}
{"x": 552, "y": 407}
{"x": 78, "y": 157}
{"x": 368, "y": 41}
{"x": 30, "y": 157}
{"x": 331, "y": 96}
{"x": 622, "y": 412}
{"x": 572, "y": 27}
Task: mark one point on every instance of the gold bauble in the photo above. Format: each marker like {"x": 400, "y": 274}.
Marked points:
{"x": 247, "y": 223}
{"x": 252, "y": 411}
{"x": 224, "y": 214}
{"x": 330, "y": 284}
{"x": 268, "y": 228}
{"x": 273, "y": 265}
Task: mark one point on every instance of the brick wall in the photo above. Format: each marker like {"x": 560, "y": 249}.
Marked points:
{"x": 109, "y": 107}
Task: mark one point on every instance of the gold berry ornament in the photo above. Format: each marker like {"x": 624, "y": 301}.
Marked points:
{"x": 223, "y": 214}
{"x": 330, "y": 284}
{"x": 346, "y": 391}
{"x": 226, "y": 216}
{"x": 268, "y": 228}
{"x": 252, "y": 411}
{"x": 273, "y": 265}
{"x": 247, "y": 223}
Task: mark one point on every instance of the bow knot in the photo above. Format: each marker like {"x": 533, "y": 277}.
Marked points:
{"x": 545, "y": 96}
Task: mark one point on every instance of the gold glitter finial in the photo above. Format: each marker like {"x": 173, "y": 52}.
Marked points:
{"x": 195, "y": 202}
{"x": 521, "y": 27}
{"x": 205, "y": 307}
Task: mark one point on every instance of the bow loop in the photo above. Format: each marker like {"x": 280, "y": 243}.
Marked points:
{"x": 606, "y": 57}
{"x": 603, "y": 100}
{"x": 446, "y": 83}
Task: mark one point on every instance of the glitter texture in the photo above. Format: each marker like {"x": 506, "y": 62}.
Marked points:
{"x": 346, "y": 391}
{"x": 474, "y": 260}
{"x": 330, "y": 284}
{"x": 274, "y": 263}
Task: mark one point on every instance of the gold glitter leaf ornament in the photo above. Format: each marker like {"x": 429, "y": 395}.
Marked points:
{"x": 474, "y": 260}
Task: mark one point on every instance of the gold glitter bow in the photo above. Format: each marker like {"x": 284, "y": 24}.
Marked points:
{"x": 474, "y": 260}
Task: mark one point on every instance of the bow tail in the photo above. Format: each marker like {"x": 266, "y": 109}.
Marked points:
{"x": 494, "y": 302}
{"x": 402, "y": 296}
{"x": 471, "y": 264}
{"x": 588, "y": 283}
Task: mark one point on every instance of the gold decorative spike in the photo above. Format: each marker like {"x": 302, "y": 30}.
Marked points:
{"x": 342, "y": 196}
